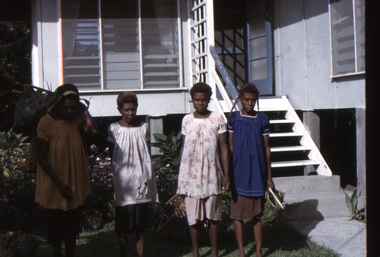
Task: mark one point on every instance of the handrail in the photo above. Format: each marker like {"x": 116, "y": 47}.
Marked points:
{"x": 230, "y": 87}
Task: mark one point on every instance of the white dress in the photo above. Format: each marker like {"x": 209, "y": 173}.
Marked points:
{"x": 133, "y": 178}
{"x": 200, "y": 173}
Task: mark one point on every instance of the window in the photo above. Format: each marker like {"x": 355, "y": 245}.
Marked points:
{"x": 259, "y": 46}
{"x": 347, "y": 37}
{"x": 113, "y": 45}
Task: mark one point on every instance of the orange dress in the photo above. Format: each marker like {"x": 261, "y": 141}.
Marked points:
{"x": 68, "y": 159}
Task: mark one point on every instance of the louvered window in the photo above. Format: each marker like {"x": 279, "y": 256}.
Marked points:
{"x": 347, "y": 37}
{"x": 113, "y": 45}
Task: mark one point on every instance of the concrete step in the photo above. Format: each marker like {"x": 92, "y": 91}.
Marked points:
{"x": 312, "y": 197}
{"x": 314, "y": 183}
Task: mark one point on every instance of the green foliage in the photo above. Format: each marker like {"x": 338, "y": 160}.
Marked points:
{"x": 15, "y": 66}
{"x": 167, "y": 181}
{"x": 15, "y": 52}
{"x": 18, "y": 210}
{"x": 169, "y": 147}
{"x": 9, "y": 146}
{"x": 272, "y": 213}
{"x": 352, "y": 203}
{"x": 98, "y": 208}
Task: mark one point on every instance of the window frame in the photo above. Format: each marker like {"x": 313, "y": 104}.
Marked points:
{"x": 357, "y": 72}
{"x": 102, "y": 89}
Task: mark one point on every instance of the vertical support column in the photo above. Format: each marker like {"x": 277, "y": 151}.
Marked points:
{"x": 156, "y": 125}
{"x": 361, "y": 156}
{"x": 312, "y": 123}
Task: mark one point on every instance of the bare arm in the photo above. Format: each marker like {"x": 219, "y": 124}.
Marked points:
{"x": 89, "y": 125}
{"x": 268, "y": 156}
{"x": 182, "y": 146}
{"x": 110, "y": 147}
{"x": 43, "y": 148}
{"x": 231, "y": 141}
{"x": 225, "y": 160}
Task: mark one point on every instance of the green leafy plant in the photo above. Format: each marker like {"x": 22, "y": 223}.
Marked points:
{"x": 98, "y": 208}
{"x": 352, "y": 203}
{"x": 10, "y": 145}
{"x": 169, "y": 147}
{"x": 272, "y": 213}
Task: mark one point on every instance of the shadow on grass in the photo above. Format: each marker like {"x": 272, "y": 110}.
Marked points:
{"x": 279, "y": 240}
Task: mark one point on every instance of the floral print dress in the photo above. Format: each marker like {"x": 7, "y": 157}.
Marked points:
{"x": 200, "y": 173}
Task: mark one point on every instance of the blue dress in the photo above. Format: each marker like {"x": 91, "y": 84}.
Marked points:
{"x": 249, "y": 166}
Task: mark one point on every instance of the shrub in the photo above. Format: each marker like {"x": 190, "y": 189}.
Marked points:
{"x": 18, "y": 209}
{"x": 98, "y": 208}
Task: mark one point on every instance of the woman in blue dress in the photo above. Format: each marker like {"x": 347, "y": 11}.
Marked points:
{"x": 251, "y": 171}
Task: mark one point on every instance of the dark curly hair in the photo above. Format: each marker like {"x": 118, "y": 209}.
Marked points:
{"x": 246, "y": 88}
{"x": 201, "y": 87}
{"x": 126, "y": 97}
{"x": 60, "y": 92}
{"x": 63, "y": 93}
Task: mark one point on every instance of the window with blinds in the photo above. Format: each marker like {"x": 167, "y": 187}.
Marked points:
{"x": 113, "y": 45}
{"x": 347, "y": 36}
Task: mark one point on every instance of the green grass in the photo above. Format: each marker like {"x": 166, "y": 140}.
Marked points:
{"x": 280, "y": 240}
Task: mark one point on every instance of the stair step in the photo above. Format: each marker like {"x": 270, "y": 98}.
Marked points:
{"x": 294, "y": 163}
{"x": 289, "y": 148}
{"x": 281, "y": 121}
{"x": 306, "y": 184}
{"x": 286, "y": 134}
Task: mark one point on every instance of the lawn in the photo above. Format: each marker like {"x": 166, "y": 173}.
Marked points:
{"x": 279, "y": 240}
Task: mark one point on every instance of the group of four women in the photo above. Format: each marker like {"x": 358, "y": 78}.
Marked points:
{"x": 205, "y": 168}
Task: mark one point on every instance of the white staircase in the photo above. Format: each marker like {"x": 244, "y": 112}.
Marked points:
{"x": 291, "y": 144}
{"x": 296, "y": 140}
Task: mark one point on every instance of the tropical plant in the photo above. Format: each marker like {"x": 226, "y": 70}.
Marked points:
{"x": 98, "y": 208}
{"x": 9, "y": 145}
{"x": 352, "y": 205}
{"x": 169, "y": 147}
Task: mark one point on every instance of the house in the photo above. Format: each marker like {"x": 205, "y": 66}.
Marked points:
{"x": 306, "y": 57}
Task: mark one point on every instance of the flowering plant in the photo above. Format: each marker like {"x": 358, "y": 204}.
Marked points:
{"x": 99, "y": 206}
{"x": 17, "y": 207}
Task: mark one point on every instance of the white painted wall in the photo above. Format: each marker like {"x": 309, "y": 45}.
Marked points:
{"x": 154, "y": 103}
{"x": 46, "y": 44}
{"x": 302, "y": 61}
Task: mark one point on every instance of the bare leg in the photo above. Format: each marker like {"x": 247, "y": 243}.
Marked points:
{"x": 194, "y": 234}
{"x": 258, "y": 230}
{"x": 57, "y": 251}
{"x": 140, "y": 242}
{"x": 239, "y": 233}
{"x": 213, "y": 232}
{"x": 70, "y": 243}
{"x": 123, "y": 246}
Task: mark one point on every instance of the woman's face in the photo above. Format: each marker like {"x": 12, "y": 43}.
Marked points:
{"x": 248, "y": 102}
{"x": 128, "y": 112}
{"x": 200, "y": 102}
{"x": 68, "y": 109}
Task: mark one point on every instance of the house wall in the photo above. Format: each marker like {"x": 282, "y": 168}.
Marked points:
{"x": 302, "y": 59}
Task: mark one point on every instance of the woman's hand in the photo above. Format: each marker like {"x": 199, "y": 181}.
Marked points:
{"x": 270, "y": 183}
{"x": 65, "y": 191}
